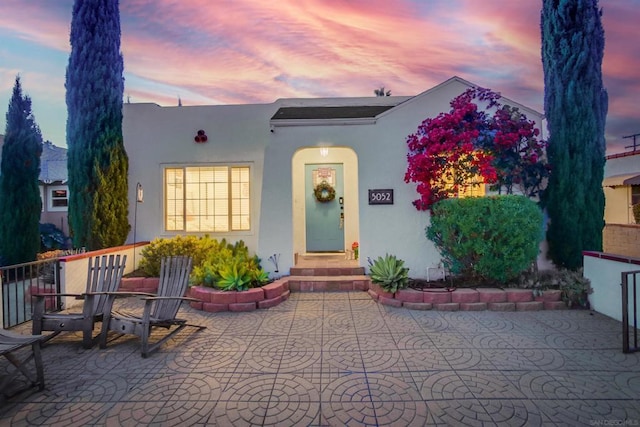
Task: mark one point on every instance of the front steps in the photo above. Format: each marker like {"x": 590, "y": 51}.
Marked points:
{"x": 327, "y": 272}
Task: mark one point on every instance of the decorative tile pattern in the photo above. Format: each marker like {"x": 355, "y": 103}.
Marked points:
{"x": 325, "y": 359}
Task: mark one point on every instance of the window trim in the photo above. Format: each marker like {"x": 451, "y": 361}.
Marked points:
{"x": 230, "y": 213}
{"x": 50, "y": 198}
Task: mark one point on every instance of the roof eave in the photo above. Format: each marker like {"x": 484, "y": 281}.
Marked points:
{"x": 322, "y": 122}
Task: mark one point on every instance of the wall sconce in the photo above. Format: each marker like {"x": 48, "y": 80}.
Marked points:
{"x": 139, "y": 193}
{"x": 324, "y": 151}
{"x": 201, "y": 137}
{"x": 139, "y": 199}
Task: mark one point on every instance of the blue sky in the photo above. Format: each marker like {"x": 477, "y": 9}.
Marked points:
{"x": 252, "y": 51}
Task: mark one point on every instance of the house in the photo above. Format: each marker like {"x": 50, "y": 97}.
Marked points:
{"x": 54, "y": 192}
{"x": 249, "y": 172}
{"x": 53, "y": 186}
{"x": 621, "y": 187}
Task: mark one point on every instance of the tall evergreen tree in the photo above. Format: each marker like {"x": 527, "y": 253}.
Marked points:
{"x": 97, "y": 161}
{"x": 575, "y": 103}
{"x": 20, "y": 203}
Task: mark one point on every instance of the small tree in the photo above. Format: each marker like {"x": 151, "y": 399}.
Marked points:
{"x": 498, "y": 144}
{"x": 20, "y": 203}
{"x": 381, "y": 92}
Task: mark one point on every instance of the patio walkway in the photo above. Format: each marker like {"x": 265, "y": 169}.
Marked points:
{"x": 340, "y": 359}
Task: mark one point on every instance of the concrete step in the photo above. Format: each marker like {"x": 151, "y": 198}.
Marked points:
{"x": 327, "y": 271}
{"x": 349, "y": 282}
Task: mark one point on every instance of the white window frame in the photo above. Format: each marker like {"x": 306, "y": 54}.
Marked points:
{"x": 50, "y": 198}
{"x": 236, "y": 206}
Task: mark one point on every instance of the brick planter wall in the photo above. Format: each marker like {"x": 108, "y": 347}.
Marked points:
{"x": 214, "y": 300}
{"x": 463, "y": 299}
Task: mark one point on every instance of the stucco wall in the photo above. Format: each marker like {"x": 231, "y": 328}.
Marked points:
{"x": 156, "y": 137}
{"x": 604, "y": 272}
{"x": 622, "y": 239}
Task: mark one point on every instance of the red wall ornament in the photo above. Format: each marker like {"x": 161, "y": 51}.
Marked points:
{"x": 201, "y": 137}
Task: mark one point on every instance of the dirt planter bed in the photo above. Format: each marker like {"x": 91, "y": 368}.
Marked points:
{"x": 467, "y": 299}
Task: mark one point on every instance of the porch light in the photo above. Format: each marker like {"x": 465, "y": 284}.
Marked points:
{"x": 324, "y": 151}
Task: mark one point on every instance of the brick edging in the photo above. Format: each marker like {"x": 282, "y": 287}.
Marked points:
{"x": 468, "y": 299}
{"x": 214, "y": 300}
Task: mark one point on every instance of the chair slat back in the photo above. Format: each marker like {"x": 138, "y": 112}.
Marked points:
{"x": 104, "y": 275}
{"x": 174, "y": 279}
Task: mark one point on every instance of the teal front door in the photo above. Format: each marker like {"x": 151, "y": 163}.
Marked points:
{"x": 325, "y": 228}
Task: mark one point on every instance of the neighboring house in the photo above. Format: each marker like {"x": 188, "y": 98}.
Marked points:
{"x": 621, "y": 187}
{"x": 53, "y": 185}
{"x": 253, "y": 172}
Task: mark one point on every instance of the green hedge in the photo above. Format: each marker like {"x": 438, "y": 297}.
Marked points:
{"x": 492, "y": 238}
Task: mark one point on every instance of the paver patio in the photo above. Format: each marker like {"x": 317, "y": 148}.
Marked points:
{"x": 339, "y": 359}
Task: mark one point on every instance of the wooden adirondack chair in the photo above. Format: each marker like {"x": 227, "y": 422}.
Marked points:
{"x": 103, "y": 275}
{"x": 159, "y": 311}
{"x": 11, "y": 343}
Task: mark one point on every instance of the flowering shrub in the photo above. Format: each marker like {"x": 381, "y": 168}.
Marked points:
{"x": 451, "y": 150}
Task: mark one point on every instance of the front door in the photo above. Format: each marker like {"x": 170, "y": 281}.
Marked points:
{"x": 325, "y": 226}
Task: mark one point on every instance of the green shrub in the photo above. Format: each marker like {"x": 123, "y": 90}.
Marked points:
{"x": 230, "y": 267}
{"x": 195, "y": 247}
{"x": 52, "y": 238}
{"x": 390, "y": 273}
{"x": 215, "y": 264}
{"x": 491, "y": 238}
{"x": 636, "y": 213}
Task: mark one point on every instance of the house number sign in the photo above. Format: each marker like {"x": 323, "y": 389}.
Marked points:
{"x": 381, "y": 197}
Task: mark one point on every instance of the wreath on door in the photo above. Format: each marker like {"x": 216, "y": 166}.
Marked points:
{"x": 324, "y": 192}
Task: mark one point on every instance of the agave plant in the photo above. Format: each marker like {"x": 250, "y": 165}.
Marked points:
{"x": 390, "y": 273}
{"x": 234, "y": 277}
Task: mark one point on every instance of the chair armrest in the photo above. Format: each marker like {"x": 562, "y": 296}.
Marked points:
{"x": 55, "y": 294}
{"x": 155, "y": 298}
{"x": 124, "y": 294}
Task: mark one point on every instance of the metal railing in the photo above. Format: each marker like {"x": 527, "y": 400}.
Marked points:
{"x": 20, "y": 281}
{"x": 629, "y": 283}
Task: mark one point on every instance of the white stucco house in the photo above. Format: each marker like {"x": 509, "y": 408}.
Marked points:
{"x": 252, "y": 173}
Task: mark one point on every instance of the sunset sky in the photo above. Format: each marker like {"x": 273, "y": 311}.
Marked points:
{"x": 256, "y": 51}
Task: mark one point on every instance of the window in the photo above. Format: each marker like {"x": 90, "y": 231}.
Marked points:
{"x": 207, "y": 199}
{"x": 475, "y": 187}
{"x": 58, "y": 198}
{"x": 635, "y": 194}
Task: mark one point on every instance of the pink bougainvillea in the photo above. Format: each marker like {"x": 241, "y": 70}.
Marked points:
{"x": 495, "y": 143}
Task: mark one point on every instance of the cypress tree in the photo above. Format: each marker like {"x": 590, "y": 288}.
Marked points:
{"x": 575, "y": 103}
{"x": 97, "y": 161}
{"x": 20, "y": 203}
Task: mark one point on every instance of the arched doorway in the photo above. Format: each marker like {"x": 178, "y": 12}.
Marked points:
{"x": 325, "y": 227}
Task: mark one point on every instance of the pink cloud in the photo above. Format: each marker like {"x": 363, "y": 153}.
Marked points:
{"x": 239, "y": 51}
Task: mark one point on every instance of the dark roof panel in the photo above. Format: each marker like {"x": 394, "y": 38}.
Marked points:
{"x": 320, "y": 113}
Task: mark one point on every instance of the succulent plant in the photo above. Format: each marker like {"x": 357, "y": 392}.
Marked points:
{"x": 390, "y": 273}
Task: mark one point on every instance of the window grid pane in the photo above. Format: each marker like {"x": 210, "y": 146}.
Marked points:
{"x": 240, "y": 199}
{"x": 207, "y": 199}
{"x": 174, "y": 182}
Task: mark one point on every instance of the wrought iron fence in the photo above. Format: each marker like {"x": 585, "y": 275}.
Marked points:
{"x": 20, "y": 281}
{"x": 630, "y": 281}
